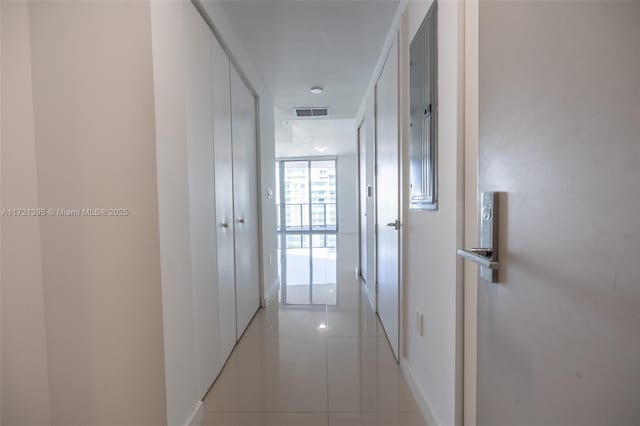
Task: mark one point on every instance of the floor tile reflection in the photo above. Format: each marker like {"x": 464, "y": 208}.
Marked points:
{"x": 376, "y": 419}
{"x": 289, "y": 321}
{"x": 283, "y": 374}
{"x": 319, "y": 364}
{"x": 265, "y": 419}
{"x": 308, "y": 268}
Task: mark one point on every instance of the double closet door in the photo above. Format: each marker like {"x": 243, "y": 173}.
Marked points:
{"x": 225, "y": 219}
{"x": 236, "y": 201}
{"x": 223, "y": 199}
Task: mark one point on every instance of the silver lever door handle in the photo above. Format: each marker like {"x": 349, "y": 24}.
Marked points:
{"x": 487, "y": 256}
{"x": 395, "y": 224}
{"x": 481, "y": 256}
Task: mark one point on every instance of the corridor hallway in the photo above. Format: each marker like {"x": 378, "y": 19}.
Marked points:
{"x": 314, "y": 365}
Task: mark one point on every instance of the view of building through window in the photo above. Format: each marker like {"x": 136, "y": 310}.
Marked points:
{"x": 306, "y": 198}
{"x": 309, "y": 194}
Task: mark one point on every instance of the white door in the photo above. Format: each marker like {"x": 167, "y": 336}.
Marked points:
{"x": 559, "y": 103}
{"x": 362, "y": 199}
{"x": 245, "y": 201}
{"x": 387, "y": 197}
{"x": 224, "y": 199}
{"x": 198, "y": 85}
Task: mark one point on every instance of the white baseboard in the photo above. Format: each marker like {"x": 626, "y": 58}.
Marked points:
{"x": 271, "y": 294}
{"x": 418, "y": 394}
{"x": 196, "y": 417}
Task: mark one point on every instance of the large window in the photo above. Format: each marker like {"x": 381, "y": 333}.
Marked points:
{"x": 306, "y": 195}
{"x": 306, "y": 198}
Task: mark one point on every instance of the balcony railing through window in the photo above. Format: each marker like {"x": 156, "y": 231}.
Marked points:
{"x": 324, "y": 217}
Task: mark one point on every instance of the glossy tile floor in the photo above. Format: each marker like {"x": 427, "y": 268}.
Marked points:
{"x": 314, "y": 365}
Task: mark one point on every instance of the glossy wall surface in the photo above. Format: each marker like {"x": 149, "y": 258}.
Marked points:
{"x": 82, "y": 339}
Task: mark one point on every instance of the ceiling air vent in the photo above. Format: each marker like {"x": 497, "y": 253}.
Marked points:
{"x": 311, "y": 112}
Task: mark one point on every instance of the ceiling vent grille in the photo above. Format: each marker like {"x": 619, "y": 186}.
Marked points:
{"x": 311, "y": 112}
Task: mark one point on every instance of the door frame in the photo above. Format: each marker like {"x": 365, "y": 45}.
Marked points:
{"x": 360, "y": 128}
{"x": 471, "y": 159}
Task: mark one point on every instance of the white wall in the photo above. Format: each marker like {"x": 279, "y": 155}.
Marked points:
{"x": 314, "y": 136}
{"x": 433, "y": 275}
{"x": 347, "y": 165}
{"x": 23, "y": 334}
{"x": 84, "y": 318}
{"x": 170, "y": 62}
{"x": 431, "y": 272}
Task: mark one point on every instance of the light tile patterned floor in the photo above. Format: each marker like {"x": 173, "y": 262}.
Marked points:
{"x": 314, "y": 365}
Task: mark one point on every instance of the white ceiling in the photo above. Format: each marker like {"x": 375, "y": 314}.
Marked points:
{"x": 298, "y": 44}
{"x": 302, "y": 138}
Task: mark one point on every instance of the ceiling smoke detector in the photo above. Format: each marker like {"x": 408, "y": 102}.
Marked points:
{"x": 310, "y": 112}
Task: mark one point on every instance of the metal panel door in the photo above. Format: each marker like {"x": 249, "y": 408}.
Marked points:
{"x": 245, "y": 201}
{"x": 387, "y": 197}
{"x": 559, "y": 105}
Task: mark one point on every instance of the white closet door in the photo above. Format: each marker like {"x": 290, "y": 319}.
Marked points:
{"x": 224, "y": 199}
{"x": 199, "y": 106}
{"x": 245, "y": 198}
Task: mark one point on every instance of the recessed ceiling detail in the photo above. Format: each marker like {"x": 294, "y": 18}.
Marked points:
{"x": 296, "y": 44}
{"x": 327, "y": 137}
